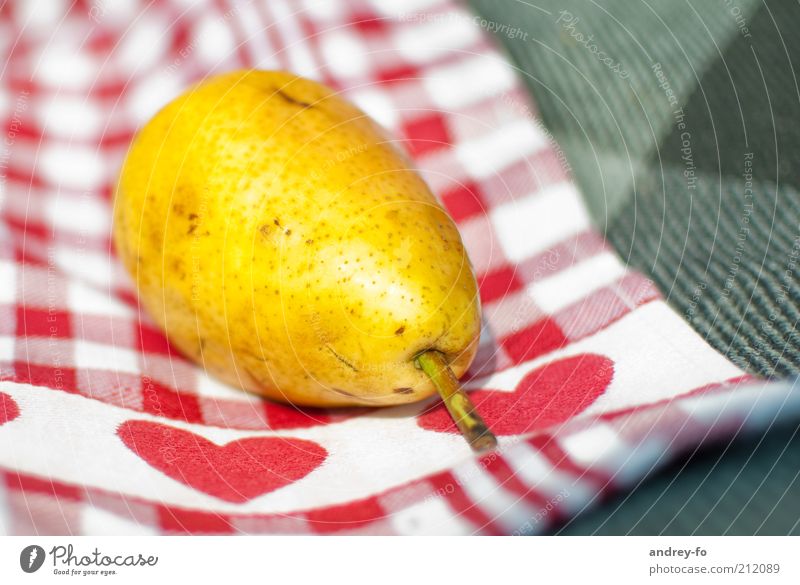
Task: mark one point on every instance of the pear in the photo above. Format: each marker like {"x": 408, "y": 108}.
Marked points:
{"x": 284, "y": 243}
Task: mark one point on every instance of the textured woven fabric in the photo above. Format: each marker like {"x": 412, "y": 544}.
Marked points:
{"x": 683, "y": 143}
{"x": 745, "y": 487}
{"x": 722, "y": 252}
{"x": 587, "y": 376}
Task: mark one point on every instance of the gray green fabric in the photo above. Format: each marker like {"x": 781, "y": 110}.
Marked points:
{"x": 701, "y": 193}
{"x": 669, "y": 181}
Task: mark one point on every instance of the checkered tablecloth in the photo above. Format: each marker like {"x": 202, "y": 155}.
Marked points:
{"x": 586, "y": 375}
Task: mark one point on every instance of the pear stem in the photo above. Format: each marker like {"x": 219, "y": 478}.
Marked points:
{"x": 458, "y": 404}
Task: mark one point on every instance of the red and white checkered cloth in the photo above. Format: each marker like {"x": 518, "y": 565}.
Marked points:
{"x": 589, "y": 379}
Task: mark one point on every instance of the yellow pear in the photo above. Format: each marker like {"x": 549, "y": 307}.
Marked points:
{"x": 284, "y": 243}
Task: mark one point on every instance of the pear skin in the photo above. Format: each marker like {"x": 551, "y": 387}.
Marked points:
{"x": 284, "y": 243}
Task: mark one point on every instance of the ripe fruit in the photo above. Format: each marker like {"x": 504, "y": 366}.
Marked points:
{"x": 282, "y": 241}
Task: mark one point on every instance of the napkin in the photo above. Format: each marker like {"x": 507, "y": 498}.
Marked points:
{"x": 587, "y": 377}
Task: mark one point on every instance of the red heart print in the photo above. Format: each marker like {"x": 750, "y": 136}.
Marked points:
{"x": 8, "y": 408}
{"x": 546, "y": 396}
{"x": 236, "y": 472}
